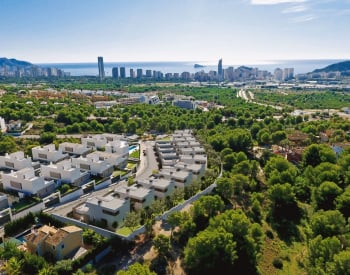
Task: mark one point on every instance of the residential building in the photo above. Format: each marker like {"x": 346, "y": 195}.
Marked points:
{"x": 278, "y": 74}
{"x": 108, "y": 210}
{"x": 220, "y": 71}
{"x": 27, "y": 183}
{"x": 74, "y": 149}
{"x": 94, "y": 165}
{"x": 16, "y": 161}
{"x": 181, "y": 178}
{"x": 139, "y": 197}
{"x": 288, "y": 74}
{"x": 64, "y": 172}
{"x": 139, "y": 73}
{"x": 101, "y": 68}
{"x": 48, "y": 153}
{"x": 184, "y": 104}
{"x": 197, "y": 170}
{"x": 115, "y": 73}
{"x": 3, "y": 127}
{"x": 100, "y": 141}
{"x": 60, "y": 243}
{"x": 114, "y": 159}
{"x": 132, "y": 73}
{"x": 148, "y": 73}
{"x": 162, "y": 187}
{"x": 122, "y": 72}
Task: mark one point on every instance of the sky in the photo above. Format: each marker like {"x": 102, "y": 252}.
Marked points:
{"x": 239, "y": 31}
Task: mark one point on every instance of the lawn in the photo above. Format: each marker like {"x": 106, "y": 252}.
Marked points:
{"x": 125, "y": 231}
{"x": 23, "y": 204}
{"x": 135, "y": 154}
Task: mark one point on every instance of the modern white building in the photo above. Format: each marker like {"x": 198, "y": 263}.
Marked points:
{"x": 114, "y": 159}
{"x": 3, "y": 127}
{"x": 100, "y": 141}
{"x": 182, "y": 178}
{"x": 139, "y": 197}
{"x": 120, "y": 147}
{"x": 15, "y": 161}
{"x": 108, "y": 210}
{"x": 47, "y": 154}
{"x": 162, "y": 187}
{"x": 74, "y": 149}
{"x": 94, "y": 165}
{"x": 24, "y": 181}
{"x": 64, "y": 172}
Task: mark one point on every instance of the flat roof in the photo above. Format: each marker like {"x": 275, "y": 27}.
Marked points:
{"x": 108, "y": 202}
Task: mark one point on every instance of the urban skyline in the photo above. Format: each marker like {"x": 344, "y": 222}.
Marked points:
{"x": 244, "y": 31}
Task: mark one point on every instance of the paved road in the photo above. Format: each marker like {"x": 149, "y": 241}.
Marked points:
{"x": 148, "y": 162}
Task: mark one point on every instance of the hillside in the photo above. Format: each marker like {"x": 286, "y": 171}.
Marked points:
{"x": 340, "y": 67}
{"x": 13, "y": 62}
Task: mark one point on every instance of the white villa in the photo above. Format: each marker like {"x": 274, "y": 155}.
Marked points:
{"x": 15, "y": 161}
{"x": 24, "y": 181}
{"x": 94, "y": 165}
{"x": 64, "y": 172}
{"x": 139, "y": 197}
{"x": 74, "y": 149}
{"x": 47, "y": 154}
{"x": 108, "y": 210}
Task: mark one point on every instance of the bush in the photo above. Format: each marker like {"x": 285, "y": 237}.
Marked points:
{"x": 17, "y": 226}
{"x": 277, "y": 263}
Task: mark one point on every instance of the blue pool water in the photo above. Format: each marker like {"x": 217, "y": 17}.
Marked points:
{"x": 133, "y": 148}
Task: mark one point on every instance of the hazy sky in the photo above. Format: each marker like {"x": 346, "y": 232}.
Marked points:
{"x": 239, "y": 31}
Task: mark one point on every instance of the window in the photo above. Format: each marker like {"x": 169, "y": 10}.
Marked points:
{"x": 9, "y": 164}
{"x": 62, "y": 246}
{"x": 110, "y": 212}
{"x": 42, "y": 156}
{"x": 55, "y": 175}
{"x": 16, "y": 185}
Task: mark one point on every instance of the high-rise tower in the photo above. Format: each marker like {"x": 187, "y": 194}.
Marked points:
{"x": 101, "y": 68}
{"x": 220, "y": 71}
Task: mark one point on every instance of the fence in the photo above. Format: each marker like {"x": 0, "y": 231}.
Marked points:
{"x": 72, "y": 196}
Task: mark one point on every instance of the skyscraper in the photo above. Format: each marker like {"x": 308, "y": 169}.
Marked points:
{"x": 101, "y": 68}
{"x": 115, "y": 72}
{"x": 122, "y": 72}
{"x": 220, "y": 71}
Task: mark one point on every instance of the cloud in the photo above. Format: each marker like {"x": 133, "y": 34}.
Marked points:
{"x": 304, "y": 18}
{"x": 275, "y": 2}
{"x": 295, "y": 9}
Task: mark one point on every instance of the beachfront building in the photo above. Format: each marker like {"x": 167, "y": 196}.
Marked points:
{"x": 25, "y": 182}
{"x": 59, "y": 243}
{"x": 64, "y": 172}
{"x": 47, "y": 154}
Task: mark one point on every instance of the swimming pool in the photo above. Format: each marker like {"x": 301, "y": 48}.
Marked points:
{"x": 133, "y": 148}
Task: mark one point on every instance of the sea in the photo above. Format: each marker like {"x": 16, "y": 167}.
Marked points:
{"x": 91, "y": 69}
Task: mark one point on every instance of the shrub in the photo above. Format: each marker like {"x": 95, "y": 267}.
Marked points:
{"x": 277, "y": 263}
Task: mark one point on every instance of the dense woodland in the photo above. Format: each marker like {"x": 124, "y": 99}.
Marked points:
{"x": 267, "y": 215}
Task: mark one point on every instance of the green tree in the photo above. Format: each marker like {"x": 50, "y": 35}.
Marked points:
{"x": 162, "y": 244}
{"x": 340, "y": 264}
{"x": 210, "y": 251}
{"x": 136, "y": 269}
{"x": 324, "y": 196}
{"x": 343, "y": 203}
{"x": 132, "y": 220}
{"x": 327, "y": 223}
{"x": 318, "y": 153}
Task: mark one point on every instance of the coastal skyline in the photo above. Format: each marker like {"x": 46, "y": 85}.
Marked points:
{"x": 244, "y": 31}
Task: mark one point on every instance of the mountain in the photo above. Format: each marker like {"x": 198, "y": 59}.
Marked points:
{"x": 337, "y": 67}
{"x": 14, "y": 63}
